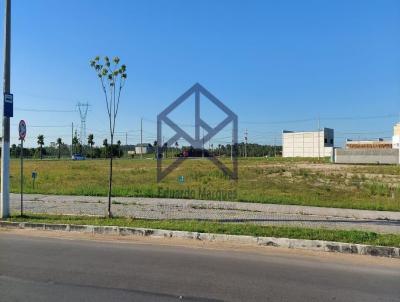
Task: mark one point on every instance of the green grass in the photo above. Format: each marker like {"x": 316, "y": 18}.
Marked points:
{"x": 360, "y": 237}
{"x": 264, "y": 180}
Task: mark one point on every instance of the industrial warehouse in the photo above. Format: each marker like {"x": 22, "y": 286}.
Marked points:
{"x": 321, "y": 144}
{"x": 308, "y": 144}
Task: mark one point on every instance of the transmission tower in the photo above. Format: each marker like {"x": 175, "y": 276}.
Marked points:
{"x": 83, "y": 110}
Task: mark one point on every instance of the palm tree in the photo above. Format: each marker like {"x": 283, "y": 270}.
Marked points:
{"x": 75, "y": 142}
{"x": 119, "y": 148}
{"x": 105, "y": 144}
{"x": 40, "y": 142}
{"x": 91, "y": 143}
{"x": 165, "y": 148}
{"x": 155, "y": 149}
{"x": 59, "y": 143}
{"x": 176, "y": 146}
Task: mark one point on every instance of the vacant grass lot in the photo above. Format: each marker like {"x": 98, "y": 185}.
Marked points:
{"x": 299, "y": 182}
{"x": 360, "y": 237}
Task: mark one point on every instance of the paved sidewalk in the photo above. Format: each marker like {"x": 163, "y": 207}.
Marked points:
{"x": 162, "y": 208}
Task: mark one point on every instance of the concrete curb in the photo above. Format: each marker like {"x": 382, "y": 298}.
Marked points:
{"x": 315, "y": 245}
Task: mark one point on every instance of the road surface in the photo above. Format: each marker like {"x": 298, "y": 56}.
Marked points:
{"x": 34, "y": 268}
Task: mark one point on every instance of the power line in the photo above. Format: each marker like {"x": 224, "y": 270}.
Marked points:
{"x": 41, "y": 96}
{"x": 299, "y": 120}
{"x": 43, "y": 110}
{"x": 361, "y": 117}
{"x": 320, "y": 118}
{"x": 47, "y": 126}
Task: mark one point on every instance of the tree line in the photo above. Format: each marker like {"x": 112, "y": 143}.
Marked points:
{"x": 61, "y": 149}
{"x": 249, "y": 150}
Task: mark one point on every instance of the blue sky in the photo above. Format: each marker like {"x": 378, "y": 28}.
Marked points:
{"x": 277, "y": 64}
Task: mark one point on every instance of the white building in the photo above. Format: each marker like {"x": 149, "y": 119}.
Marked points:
{"x": 143, "y": 148}
{"x": 308, "y": 143}
{"x": 396, "y": 136}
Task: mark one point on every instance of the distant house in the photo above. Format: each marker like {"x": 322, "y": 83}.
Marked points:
{"x": 143, "y": 148}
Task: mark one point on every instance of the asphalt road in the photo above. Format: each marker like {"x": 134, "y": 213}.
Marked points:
{"x": 50, "y": 269}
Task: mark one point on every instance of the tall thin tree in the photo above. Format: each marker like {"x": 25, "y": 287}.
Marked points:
{"x": 176, "y": 146}
{"x": 59, "y": 144}
{"x": 75, "y": 142}
{"x": 155, "y": 145}
{"x": 91, "y": 143}
{"x": 119, "y": 148}
{"x": 112, "y": 77}
{"x": 40, "y": 141}
{"x": 105, "y": 144}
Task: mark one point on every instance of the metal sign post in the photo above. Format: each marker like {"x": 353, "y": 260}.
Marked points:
{"x": 34, "y": 176}
{"x": 22, "y": 177}
{"x": 22, "y": 134}
{"x": 6, "y": 114}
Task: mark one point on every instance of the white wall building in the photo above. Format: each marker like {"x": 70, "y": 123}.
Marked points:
{"x": 308, "y": 143}
{"x": 143, "y": 148}
{"x": 396, "y": 136}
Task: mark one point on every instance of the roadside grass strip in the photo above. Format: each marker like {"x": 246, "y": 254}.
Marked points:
{"x": 345, "y": 236}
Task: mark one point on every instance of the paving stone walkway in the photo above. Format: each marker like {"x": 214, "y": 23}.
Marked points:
{"x": 225, "y": 211}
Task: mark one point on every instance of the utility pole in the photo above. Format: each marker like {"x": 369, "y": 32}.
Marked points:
{"x": 141, "y": 138}
{"x": 319, "y": 139}
{"x": 231, "y": 151}
{"x": 72, "y": 139}
{"x": 233, "y": 142}
{"x": 77, "y": 145}
{"x": 162, "y": 146}
{"x": 245, "y": 143}
{"x": 202, "y": 149}
{"x": 5, "y": 154}
{"x": 126, "y": 144}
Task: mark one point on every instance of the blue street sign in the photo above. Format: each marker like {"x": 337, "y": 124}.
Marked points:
{"x": 8, "y": 105}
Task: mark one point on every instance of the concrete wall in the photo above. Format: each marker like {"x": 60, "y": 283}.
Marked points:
{"x": 367, "y": 156}
{"x": 308, "y": 144}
